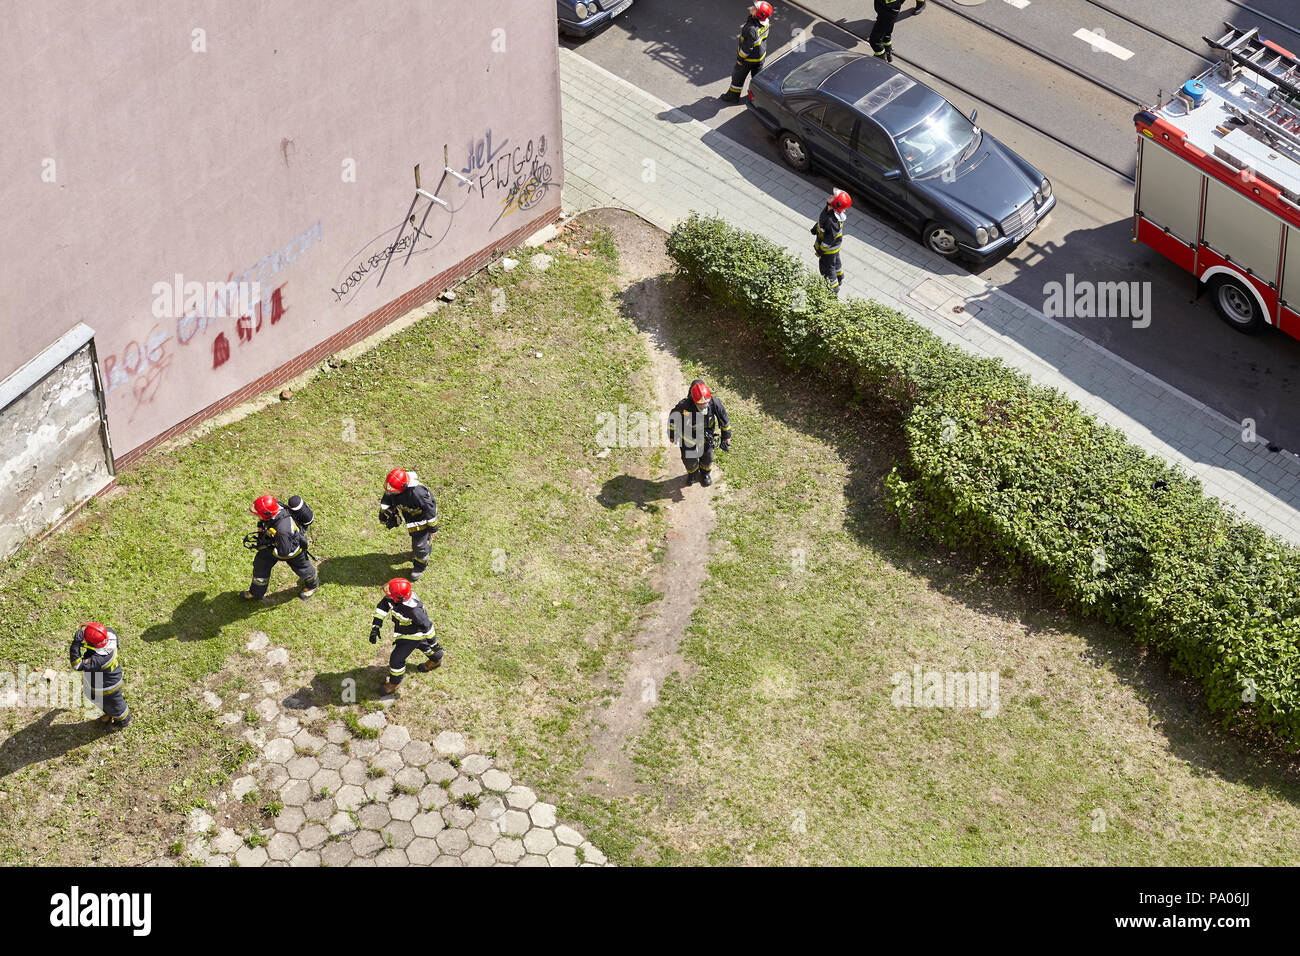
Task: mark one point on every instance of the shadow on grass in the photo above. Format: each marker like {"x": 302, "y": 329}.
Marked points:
{"x": 737, "y": 360}
{"x": 643, "y": 492}
{"x": 341, "y": 688}
{"x": 365, "y": 570}
{"x": 199, "y": 617}
{"x": 40, "y": 741}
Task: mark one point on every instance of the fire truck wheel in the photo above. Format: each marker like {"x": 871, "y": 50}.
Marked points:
{"x": 940, "y": 240}
{"x": 1235, "y": 304}
{"x": 794, "y": 152}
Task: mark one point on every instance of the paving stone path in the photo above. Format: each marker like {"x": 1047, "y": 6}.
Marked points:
{"x": 389, "y": 800}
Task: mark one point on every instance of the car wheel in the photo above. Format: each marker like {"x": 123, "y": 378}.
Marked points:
{"x": 1235, "y": 305}
{"x": 940, "y": 240}
{"x": 794, "y": 152}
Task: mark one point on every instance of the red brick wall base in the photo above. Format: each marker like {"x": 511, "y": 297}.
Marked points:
{"x": 354, "y": 333}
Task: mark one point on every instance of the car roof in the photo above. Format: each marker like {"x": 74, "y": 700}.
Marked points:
{"x": 886, "y": 94}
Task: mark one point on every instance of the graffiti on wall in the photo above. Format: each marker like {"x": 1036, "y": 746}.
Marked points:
{"x": 518, "y": 179}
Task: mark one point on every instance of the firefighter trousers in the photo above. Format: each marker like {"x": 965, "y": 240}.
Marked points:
{"x": 830, "y": 266}
{"x": 744, "y": 68}
{"x": 421, "y": 547}
{"x": 882, "y": 32}
{"x": 404, "y": 648}
{"x": 265, "y": 560}
{"x": 697, "y": 459}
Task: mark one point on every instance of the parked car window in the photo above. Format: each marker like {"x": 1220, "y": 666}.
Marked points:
{"x": 873, "y": 143}
{"x": 943, "y": 137}
{"x": 839, "y": 123}
{"x": 809, "y": 76}
{"x": 815, "y": 114}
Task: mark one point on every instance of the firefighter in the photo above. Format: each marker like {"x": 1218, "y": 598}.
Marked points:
{"x": 279, "y": 538}
{"x": 94, "y": 653}
{"x": 753, "y": 49}
{"x": 411, "y": 627}
{"x": 407, "y": 502}
{"x": 882, "y": 33}
{"x": 830, "y": 236}
{"x": 699, "y": 415}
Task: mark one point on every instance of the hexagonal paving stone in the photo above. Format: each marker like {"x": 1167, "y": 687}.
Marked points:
{"x": 200, "y": 820}
{"x": 375, "y": 720}
{"x": 457, "y": 816}
{"x": 404, "y": 807}
{"x": 417, "y": 753}
{"x": 392, "y": 857}
{"x": 266, "y": 709}
{"x": 394, "y": 737}
{"x": 282, "y": 846}
{"x": 521, "y": 798}
{"x": 478, "y": 856}
{"x": 454, "y": 842}
{"x": 374, "y": 815}
{"x": 474, "y": 763}
{"x": 440, "y": 770}
{"x": 433, "y": 796}
{"x": 275, "y": 776}
{"x": 306, "y": 740}
{"x": 389, "y": 761}
{"x": 543, "y": 814}
{"x": 354, "y": 772}
{"x": 365, "y": 749}
{"x": 257, "y": 641}
{"x": 428, "y": 824}
{"x": 312, "y": 836}
{"x": 217, "y": 859}
{"x": 295, "y": 793}
{"x": 399, "y": 833}
{"x": 366, "y": 842}
{"x": 422, "y": 851}
{"x": 341, "y": 824}
{"x": 490, "y": 807}
{"x": 593, "y": 855}
{"x": 303, "y": 768}
{"x": 508, "y": 850}
{"x": 286, "y": 726}
{"x": 336, "y": 733}
{"x": 539, "y": 841}
{"x": 242, "y": 785}
{"x": 514, "y": 823}
{"x": 336, "y": 854}
{"x": 410, "y": 777}
{"x": 279, "y": 750}
{"x": 349, "y": 797}
{"x": 306, "y": 858}
{"x": 290, "y": 820}
{"x": 533, "y": 860}
{"x": 381, "y": 788}
{"x": 332, "y": 757}
{"x": 251, "y": 856}
{"x": 483, "y": 832}
{"x": 278, "y": 656}
{"x": 255, "y": 737}
{"x": 449, "y": 744}
{"x": 568, "y": 836}
{"x": 362, "y": 861}
{"x": 319, "y": 810}
{"x": 563, "y": 856}
{"x": 447, "y": 861}
{"x": 464, "y": 787}
{"x": 326, "y": 780}
{"x": 226, "y": 841}
{"x": 496, "y": 780}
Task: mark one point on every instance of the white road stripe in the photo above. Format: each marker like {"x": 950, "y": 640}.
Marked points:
{"x": 1099, "y": 42}
{"x": 1018, "y": 4}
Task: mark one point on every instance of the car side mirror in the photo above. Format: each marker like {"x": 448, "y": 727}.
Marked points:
{"x": 974, "y": 113}
{"x": 892, "y": 175}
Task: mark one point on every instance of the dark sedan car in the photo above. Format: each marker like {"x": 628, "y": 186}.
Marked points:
{"x": 581, "y": 18}
{"x": 899, "y": 144}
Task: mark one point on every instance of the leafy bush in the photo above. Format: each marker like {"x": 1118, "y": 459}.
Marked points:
{"x": 996, "y": 464}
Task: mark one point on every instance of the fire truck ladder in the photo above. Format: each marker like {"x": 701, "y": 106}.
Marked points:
{"x": 1277, "y": 121}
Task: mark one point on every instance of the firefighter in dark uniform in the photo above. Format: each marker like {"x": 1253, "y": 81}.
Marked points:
{"x": 411, "y": 627}
{"x": 830, "y": 236}
{"x": 882, "y": 33}
{"x": 279, "y": 538}
{"x": 699, "y": 415}
{"x": 753, "y": 49}
{"x": 94, "y": 652}
{"x": 408, "y": 503}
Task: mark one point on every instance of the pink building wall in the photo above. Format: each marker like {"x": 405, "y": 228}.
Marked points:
{"x": 265, "y": 142}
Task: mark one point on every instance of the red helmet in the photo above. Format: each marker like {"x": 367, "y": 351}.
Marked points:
{"x": 396, "y": 480}
{"x": 399, "y": 589}
{"x": 764, "y": 10}
{"x": 700, "y": 393}
{"x": 265, "y": 507}
{"x": 840, "y": 200}
{"x": 96, "y": 635}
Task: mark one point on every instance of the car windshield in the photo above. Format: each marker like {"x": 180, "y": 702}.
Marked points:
{"x": 942, "y": 138}
{"x": 809, "y": 76}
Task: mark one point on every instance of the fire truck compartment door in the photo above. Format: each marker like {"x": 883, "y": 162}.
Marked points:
{"x": 1291, "y": 270}
{"x": 1243, "y": 230}
{"x": 1170, "y": 192}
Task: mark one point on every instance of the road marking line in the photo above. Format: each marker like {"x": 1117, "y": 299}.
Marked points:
{"x": 1018, "y": 4}
{"x": 1099, "y": 42}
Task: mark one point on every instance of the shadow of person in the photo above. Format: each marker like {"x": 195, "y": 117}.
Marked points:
{"x": 365, "y": 570}
{"x": 642, "y": 492}
{"x": 199, "y": 617}
{"x": 705, "y": 108}
{"x": 355, "y": 686}
{"x": 41, "y": 740}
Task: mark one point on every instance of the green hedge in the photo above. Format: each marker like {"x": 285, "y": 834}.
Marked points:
{"x": 996, "y": 464}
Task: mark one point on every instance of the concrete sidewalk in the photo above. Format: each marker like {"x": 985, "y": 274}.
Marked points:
{"x": 623, "y": 147}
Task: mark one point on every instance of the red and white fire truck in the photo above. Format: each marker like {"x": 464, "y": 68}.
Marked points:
{"x": 1218, "y": 181}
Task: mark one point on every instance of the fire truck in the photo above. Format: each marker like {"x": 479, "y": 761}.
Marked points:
{"x": 1218, "y": 181}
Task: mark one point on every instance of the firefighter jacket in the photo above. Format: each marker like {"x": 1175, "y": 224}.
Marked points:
{"x": 698, "y": 427}
{"x": 282, "y": 535}
{"x": 413, "y": 506}
{"x": 889, "y": 6}
{"x": 829, "y": 231}
{"x": 410, "y": 619}
{"x": 103, "y": 670}
{"x": 753, "y": 40}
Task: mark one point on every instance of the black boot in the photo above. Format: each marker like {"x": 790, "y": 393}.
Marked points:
{"x": 690, "y": 478}
{"x": 730, "y": 97}
{"x": 706, "y": 479}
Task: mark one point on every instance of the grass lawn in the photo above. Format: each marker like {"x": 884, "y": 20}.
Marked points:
{"x": 531, "y": 583}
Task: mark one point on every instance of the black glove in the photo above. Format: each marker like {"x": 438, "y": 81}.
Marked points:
{"x": 813, "y": 230}
{"x": 374, "y": 635}
{"x": 726, "y": 445}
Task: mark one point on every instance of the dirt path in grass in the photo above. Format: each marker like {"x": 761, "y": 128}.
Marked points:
{"x": 689, "y": 520}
